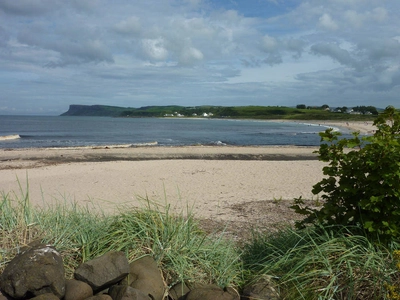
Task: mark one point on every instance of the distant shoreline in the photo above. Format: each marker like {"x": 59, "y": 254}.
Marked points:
{"x": 27, "y": 158}
{"x": 364, "y": 127}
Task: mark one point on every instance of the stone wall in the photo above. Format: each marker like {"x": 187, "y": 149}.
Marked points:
{"x": 37, "y": 272}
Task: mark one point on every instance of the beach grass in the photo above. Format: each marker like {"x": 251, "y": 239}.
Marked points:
{"x": 182, "y": 250}
{"x": 313, "y": 263}
{"x": 324, "y": 263}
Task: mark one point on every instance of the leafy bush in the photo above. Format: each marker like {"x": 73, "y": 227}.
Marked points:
{"x": 362, "y": 186}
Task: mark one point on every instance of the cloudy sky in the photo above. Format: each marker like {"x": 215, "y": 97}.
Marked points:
{"x": 136, "y": 53}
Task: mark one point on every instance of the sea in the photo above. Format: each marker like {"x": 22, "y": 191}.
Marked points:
{"x": 59, "y": 132}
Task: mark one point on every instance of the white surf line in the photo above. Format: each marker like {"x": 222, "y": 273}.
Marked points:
{"x": 9, "y": 137}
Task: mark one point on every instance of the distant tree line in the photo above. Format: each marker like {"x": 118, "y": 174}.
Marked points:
{"x": 344, "y": 109}
{"x": 366, "y": 109}
{"x": 303, "y": 106}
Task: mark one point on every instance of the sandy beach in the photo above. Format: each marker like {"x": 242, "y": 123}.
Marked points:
{"x": 363, "y": 127}
{"x": 209, "y": 179}
{"x": 219, "y": 183}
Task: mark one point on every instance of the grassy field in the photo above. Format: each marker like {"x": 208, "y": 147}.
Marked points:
{"x": 314, "y": 263}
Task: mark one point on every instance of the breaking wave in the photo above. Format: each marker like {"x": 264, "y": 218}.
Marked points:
{"x": 9, "y": 137}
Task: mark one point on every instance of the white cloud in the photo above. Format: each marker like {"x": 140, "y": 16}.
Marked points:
{"x": 154, "y": 49}
{"x": 326, "y": 22}
{"x": 269, "y": 44}
{"x": 379, "y": 14}
{"x": 354, "y": 18}
{"x": 358, "y": 19}
{"x": 190, "y": 55}
{"x": 128, "y": 26}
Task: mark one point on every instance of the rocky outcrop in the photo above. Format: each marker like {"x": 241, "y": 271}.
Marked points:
{"x": 37, "y": 272}
{"x": 38, "y": 269}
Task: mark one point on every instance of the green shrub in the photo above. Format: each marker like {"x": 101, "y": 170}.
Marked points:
{"x": 362, "y": 186}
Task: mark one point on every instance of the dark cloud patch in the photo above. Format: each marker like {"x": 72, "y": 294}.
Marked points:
{"x": 338, "y": 54}
{"x": 28, "y": 7}
{"x": 276, "y": 48}
{"x": 296, "y": 46}
{"x": 4, "y": 37}
{"x": 129, "y": 26}
{"x": 251, "y": 62}
{"x": 91, "y": 51}
{"x": 72, "y": 48}
{"x": 344, "y": 79}
{"x": 378, "y": 49}
{"x": 273, "y": 59}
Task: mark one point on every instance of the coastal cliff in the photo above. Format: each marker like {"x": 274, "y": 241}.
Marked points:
{"x": 94, "y": 110}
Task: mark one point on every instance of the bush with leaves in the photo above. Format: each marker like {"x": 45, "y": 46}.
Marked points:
{"x": 362, "y": 183}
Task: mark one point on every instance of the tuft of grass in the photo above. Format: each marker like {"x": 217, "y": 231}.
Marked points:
{"x": 322, "y": 263}
{"x": 182, "y": 250}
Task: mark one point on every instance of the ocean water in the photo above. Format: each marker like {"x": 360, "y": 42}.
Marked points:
{"x": 55, "y": 131}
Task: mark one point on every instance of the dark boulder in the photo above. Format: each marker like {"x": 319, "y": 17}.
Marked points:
{"x": 124, "y": 292}
{"x": 212, "y": 292}
{"x": 144, "y": 275}
{"x": 77, "y": 290}
{"x": 104, "y": 271}
{"x": 37, "y": 270}
{"x": 178, "y": 291}
{"x": 45, "y": 297}
{"x": 100, "y": 297}
{"x": 264, "y": 289}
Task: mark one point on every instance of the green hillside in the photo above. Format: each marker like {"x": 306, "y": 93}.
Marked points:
{"x": 234, "y": 112}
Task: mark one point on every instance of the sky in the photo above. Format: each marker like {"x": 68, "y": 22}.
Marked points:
{"x": 54, "y": 53}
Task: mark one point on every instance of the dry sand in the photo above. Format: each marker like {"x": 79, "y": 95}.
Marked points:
{"x": 219, "y": 184}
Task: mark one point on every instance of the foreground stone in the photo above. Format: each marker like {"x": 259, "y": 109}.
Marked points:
{"x": 264, "y": 288}
{"x": 77, "y": 290}
{"x": 47, "y": 296}
{"x": 102, "y": 272}
{"x": 37, "y": 270}
{"x": 212, "y": 292}
{"x": 124, "y": 292}
{"x": 100, "y": 297}
{"x": 144, "y": 275}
